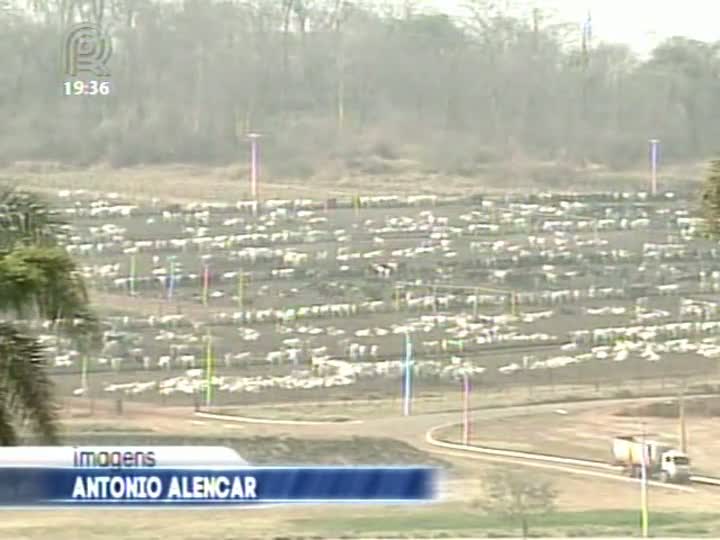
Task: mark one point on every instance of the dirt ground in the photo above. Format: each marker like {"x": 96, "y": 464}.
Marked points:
{"x": 588, "y": 434}
{"x": 517, "y": 431}
{"x": 461, "y": 491}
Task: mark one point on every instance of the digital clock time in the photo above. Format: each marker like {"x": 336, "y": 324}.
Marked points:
{"x": 87, "y": 88}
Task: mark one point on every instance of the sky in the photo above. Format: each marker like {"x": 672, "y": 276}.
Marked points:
{"x": 638, "y": 23}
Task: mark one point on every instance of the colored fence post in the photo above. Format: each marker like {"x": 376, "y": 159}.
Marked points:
{"x": 407, "y": 387}
{"x": 132, "y": 275}
{"x": 208, "y": 370}
{"x": 466, "y": 409}
{"x": 206, "y": 284}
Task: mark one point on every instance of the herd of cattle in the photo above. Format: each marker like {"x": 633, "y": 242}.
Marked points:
{"x": 293, "y": 295}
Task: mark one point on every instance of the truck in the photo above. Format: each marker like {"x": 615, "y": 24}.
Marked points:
{"x": 662, "y": 460}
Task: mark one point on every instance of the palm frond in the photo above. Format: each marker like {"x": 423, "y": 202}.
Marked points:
{"x": 84, "y": 328}
{"x": 38, "y": 279}
{"x": 25, "y": 218}
{"x": 44, "y": 282}
{"x": 43, "y": 278}
{"x": 27, "y": 387}
{"x": 8, "y": 433}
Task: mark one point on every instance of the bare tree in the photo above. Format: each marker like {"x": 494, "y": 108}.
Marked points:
{"x": 190, "y": 77}
{"x": 517, "y": 496}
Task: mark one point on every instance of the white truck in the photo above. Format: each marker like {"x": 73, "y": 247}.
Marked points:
{"x": 662, "y": 460}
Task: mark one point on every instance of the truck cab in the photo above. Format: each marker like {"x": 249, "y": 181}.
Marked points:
{"x": 675, "y": 466}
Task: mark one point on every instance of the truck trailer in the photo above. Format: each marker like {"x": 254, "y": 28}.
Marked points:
{"x": 662, "y": 460}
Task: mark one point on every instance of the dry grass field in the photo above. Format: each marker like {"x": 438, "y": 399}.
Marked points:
{"x": 185, "y": 183}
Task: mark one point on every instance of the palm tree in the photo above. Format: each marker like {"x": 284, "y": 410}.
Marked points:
{"x": 38, "y": 281}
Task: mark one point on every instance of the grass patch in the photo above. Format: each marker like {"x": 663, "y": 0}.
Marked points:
{"x": 289, "y": 415}
{"x": 347, "y": 409}
{"x": 372, "y": 406}
{"x": 280, "y": 450}
{"x": 314, "y": 522}
{"x": 699, "y": 407}
{"x": 105, "y": 428}
{"x": 443, "y": 521}
{"x": 688, "y": 530}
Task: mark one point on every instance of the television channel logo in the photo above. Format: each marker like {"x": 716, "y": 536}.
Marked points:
{"x": 86, "y": 48}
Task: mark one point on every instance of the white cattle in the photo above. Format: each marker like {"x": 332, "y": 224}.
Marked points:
{"x": 164, "y": 362}
{"x": 188, "y": 360}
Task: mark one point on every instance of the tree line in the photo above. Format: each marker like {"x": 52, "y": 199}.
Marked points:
{"x": 335, "y": 83}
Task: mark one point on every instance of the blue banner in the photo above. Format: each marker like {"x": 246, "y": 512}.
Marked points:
{"x": 205, "y": 486}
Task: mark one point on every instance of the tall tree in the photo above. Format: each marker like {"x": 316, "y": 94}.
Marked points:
{"x": 38, "y": 280}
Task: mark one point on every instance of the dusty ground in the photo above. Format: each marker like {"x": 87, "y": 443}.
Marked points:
{"x": 587, "y": 422}
{"x": 588, "y": 434}
{"x": 576, "y": 492}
